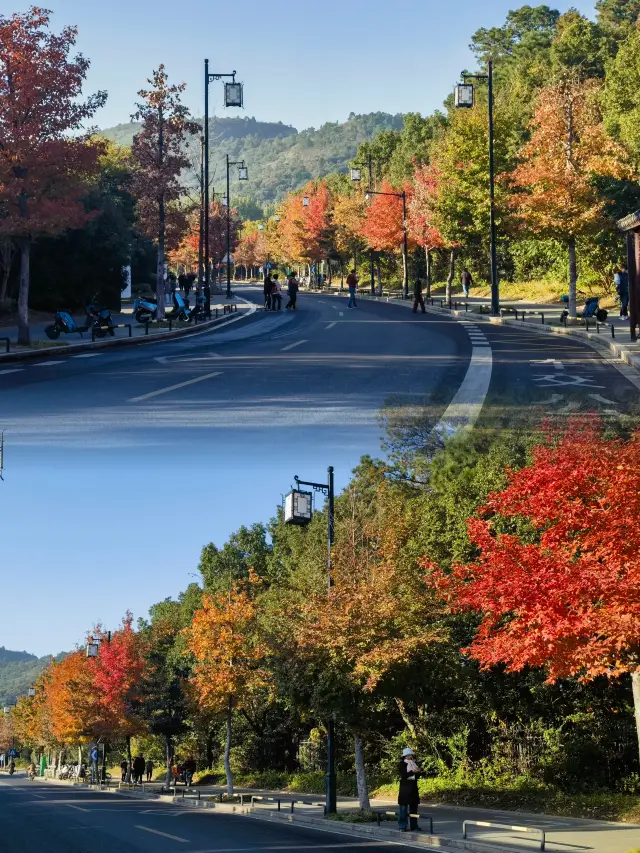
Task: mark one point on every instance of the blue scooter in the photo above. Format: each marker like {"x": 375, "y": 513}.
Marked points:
{"x": 98, "y": 319}
{"x": 146, "y": 310}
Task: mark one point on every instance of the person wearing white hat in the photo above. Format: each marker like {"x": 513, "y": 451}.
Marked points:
{"x": 408, "y": 795}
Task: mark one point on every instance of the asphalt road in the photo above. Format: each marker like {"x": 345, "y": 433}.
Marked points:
{"x": 320, "y": 375}
{"x": 44, "y": 817}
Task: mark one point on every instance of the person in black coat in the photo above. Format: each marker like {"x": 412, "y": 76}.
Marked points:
{"x": 408, "y": 795}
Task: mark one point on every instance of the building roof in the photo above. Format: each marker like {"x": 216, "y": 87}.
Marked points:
{"x": 630, "y": 222}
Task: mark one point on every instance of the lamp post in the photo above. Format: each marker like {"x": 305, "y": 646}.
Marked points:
{"x": 464, "y": 99}
{"x": 356, "y": 176}
{"x": 233, "y": 97}
{"x": 405, "y": 237}
{"x": 299, "y": 510}
{"x": 243, "y": 175}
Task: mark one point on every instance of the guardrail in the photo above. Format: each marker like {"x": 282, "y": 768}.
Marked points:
{"x": 106, "y": 330}
{"x": 278, "y": 802}
{"x": 533, "y": 830}
{"x": 7, "y": 344}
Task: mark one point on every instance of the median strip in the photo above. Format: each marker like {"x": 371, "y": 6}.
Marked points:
{"x": 173, "y": 387}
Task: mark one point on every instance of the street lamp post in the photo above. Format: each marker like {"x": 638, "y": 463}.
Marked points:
{"x": 243, "y": 175}
{"x": 233, "y": 97}
{"x": 464, "y": 98}
{"x": 356, "y": 175}
{"x": 405, "y": 237}
{"x": 298, "y": 510}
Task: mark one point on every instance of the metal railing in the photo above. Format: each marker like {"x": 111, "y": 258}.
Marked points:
{"x": 532, "y": 830}
{"x": 106, "y": 329}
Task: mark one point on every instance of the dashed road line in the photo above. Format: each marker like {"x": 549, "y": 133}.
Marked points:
{"x": 48, "y": 363}
{"x": 291, "y": 346}
{"x": 173, "y": 387}
{"x": 331, "y": 325}
{"x": 12, "y": 370}
{"x": 88, "y": 355}
{"x": 164, "y": 834}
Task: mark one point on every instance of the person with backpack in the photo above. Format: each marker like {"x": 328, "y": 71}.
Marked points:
{"x": 268, "y": 287}
{"x": 621, "y": 282}
{"x": 292, "y": 290}
{"x": 352, "y": 284}
{"x": 466, "y": 281}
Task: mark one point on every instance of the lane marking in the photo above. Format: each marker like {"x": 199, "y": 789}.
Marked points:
{"x": 465, "y": 408}
{"x": 340, "y": 314}
{"x": 88, "y": 355}
{"x": 164, "y": 834}
{"x": 77, "y": 808}
{"x": 47, "y": 363}
{"x": 331, "y": 325}
{"x": 173, "y": 387}
{"x": 551, "y": 380}
{"x": 291, "y": 346}
{"x": 12, "y": 370}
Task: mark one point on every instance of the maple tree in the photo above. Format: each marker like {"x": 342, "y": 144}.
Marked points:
{"x": 556, "y": 193}
{"x": 382, "y": 227}
{"x": 118, "y": 676}
{"x": 31, "y": 719}
{"x": 348, "y": 217}
{"x": 557, "y": 579}
{"x": 229, "y": 653}
{"x": 73, "y": 701}
{"x": 46, "y": 165}
{"x": 160, "y": 158}
{"x": 421, "y": 213}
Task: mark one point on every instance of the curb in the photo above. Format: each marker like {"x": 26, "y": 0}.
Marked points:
{"x": 6, "y": 358}
{"x": 409, "y": 839}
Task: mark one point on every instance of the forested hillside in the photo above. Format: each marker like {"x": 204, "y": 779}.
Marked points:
{"x": 17, "y": 671}
{"x": 279, "y": 157}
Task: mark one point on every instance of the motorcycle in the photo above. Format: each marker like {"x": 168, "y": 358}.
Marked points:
{"x": 12, "y": 769}
{"x": 590, "y": 309}
{"x": 145, "y": 310}
{"x": 31, "y": 775}
{"x": 96, "y": 318}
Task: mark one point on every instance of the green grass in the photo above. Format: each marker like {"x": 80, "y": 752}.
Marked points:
{"x": 360, "y": 816}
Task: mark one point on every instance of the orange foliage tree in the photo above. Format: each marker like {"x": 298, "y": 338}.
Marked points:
{"x": 383, "y": 223}
{"x": 73, "y": 701}
{"x": 557, "y": 579}
{"x": 555, "y": 192}
{"x": 225, "y": 641}
{"x": 348, "y": 218}
{"x": 421, "y": 213}
{"x": 45, "y": 165}
{"x": 31, "y": 717}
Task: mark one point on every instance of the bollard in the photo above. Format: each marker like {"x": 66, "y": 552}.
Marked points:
{"x": 466, "y": 306}
{"x": 278, "y": 805}
{"x": 378, "y": 818}
{"x": 613, "y": 331}
{"x": 146, "y": 327}
{"x": 542, "y": 315}
{"x": 220, "y": 796}
{"x": 293, "y": 802}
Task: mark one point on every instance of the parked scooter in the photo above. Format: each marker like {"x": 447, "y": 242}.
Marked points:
{"x": 96, "y": 318}
{"x": 590, "y": 309}
{"x": 146, "y": 310}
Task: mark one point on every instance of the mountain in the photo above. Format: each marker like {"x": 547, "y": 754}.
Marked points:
{"x": 279, "y": 157}
{"x": 17, "y": 671}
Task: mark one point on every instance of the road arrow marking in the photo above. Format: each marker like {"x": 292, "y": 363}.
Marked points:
{"x": 552, "y": 361}
{"x": 551, "y": 380}
{"x": 600, "y": 399}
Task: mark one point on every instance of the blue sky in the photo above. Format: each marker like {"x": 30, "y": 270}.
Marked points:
{"x": 303, "y": 62}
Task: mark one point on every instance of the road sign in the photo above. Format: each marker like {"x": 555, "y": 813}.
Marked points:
{"x": 228, "y": 259}
{"x": 13, "y": 753}
{"x": 93, "y": 753}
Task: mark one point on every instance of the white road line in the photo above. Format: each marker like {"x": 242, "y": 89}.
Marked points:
{"x": 341, "y": 314}
{"x": 331, "y": 325}
{"x": 13, "y": 370}
{"x": 88, "y": 355}
{"x": 173, "y": 387}
{"x": 291, "y": 346}
{"x": 47, "y": 363}
{"x": 77, "y": 808}
{"x": 465, "y": 408}
{"x": 164, "y": 834}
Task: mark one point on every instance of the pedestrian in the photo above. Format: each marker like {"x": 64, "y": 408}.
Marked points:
{"x": 417, "y": 297}
{"x": 466, "y": 281}
{"x": 149, "y": 769}
{"x": 268, "y": 287}
{"x": 621, "y": 282}
{"x": 189, "y": 768}
{"x": 352, "y": 284}
{"x": 138, "y": 769}
{"x": 292, "y": 290}
{"x": 276, "y": 294}
{"x": 124, "y": 766}
{"x": 408, "y": 795}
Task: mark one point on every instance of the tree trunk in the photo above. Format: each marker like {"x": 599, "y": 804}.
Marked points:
{"x": 24, "y": 336}
{"x": 341, "y": 274}
{"x": 379, "y": 276}
{"x": 451, "y": 276}
{"x": 160, "y": 283}
{"x": 129, "y": 759}
{"x": 79, "y": 757}
{"x": 227, "y": 749}
{"x": 405, "y": 276}
{"x": 406, "y": 718}
{"x": 361, "y": 774}
{"x": 428, "y": 276}
{"x": 6, "y": 252}
{"x": 635, "y": 684}
{"x": 169, "y": 756}
{"x": 573, "y": 278}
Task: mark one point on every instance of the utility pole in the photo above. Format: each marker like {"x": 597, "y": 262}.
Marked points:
{"x": 495, "y": 295}
{"x": 371, "y": 260}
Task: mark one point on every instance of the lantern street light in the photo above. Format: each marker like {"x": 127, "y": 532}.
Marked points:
{"x": 356, "y": 176}
{"x": 464, "y": 99}
{"x": 405, "y": 237}
{"x": 243, "y": 175}
{"x": 233, "y": 97}
{"x": 31, "y": 692}
{"x": 93, "y": 646}
{"x": 276, "y": 218}
{"x": 298, "y": 510}
{"x": 305, "y": 201}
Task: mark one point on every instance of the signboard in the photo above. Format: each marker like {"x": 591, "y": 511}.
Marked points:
{"x": 13, "y": 753}
{"x": 93, "y": 753}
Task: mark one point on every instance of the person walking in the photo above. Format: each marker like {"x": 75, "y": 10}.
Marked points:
{"x": 408, "y": 795}
{"x": 276, "y": 295}
{"x": 352, "y": 284}
{"x": 149, "y": 769}
{"x": 124, "y": 766}
{"x": 466, "y": 281}
{"x": 418, "y": 299}
{"x": 138, "y": 769}
{"x": 621, "y": 282}
{"x": 268, "y": 286}
{"x": 292, "y": 290}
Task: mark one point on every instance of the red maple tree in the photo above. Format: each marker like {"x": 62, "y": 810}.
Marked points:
{"x": 45, "y": 166}
{"x": 421, "y": 207}
{"x": 557, "y": 580}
